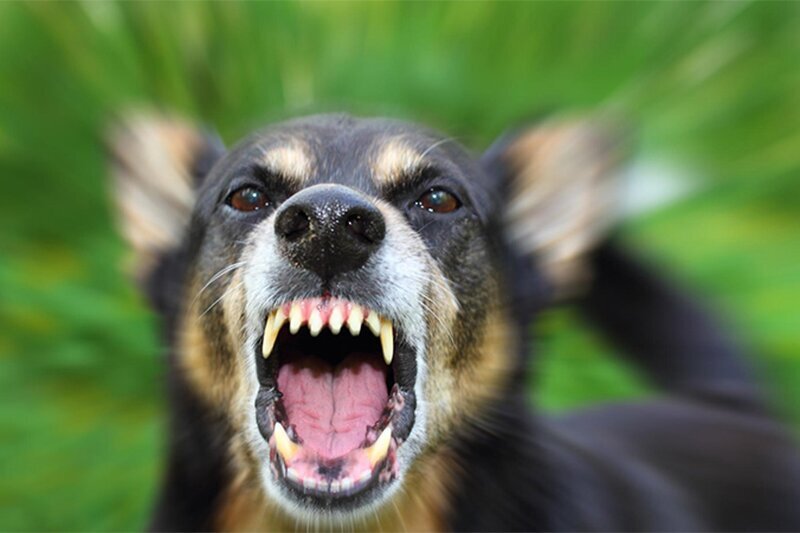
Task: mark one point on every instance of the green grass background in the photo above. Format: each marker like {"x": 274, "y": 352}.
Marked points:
{"x": 712, "y": 87}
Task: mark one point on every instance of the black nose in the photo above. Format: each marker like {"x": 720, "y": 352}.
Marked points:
{"x": 329, "y": 229}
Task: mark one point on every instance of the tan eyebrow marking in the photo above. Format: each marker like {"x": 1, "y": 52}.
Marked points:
{"x": 396, "y": 159}
{"x": 291, "y": 160}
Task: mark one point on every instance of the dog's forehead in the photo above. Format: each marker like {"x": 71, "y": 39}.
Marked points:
{"x": 366, "y": 153}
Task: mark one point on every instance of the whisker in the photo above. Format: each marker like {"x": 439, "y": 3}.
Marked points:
{"x": 426, "y": 301}
{"x": 218, "y": 300}
{"x": 225, "y": 270}
{"x": 433, "y": 147}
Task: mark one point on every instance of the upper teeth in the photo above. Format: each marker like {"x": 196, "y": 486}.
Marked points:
{"x": 355, "y": 320}
{"x": 334, "y": 316}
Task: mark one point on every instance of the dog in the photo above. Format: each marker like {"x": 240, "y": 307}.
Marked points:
{"x": 347, "y": 304}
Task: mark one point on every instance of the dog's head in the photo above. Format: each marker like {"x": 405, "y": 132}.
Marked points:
{"x": 345, "y": 296}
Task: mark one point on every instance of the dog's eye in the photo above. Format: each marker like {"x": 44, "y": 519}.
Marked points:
{"x": 438, "y": 201}
{"x": 248, "y": 199}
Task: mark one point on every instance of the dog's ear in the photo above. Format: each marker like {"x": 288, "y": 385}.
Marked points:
{"x": 558, "y": 186}
{"x": 157, "y": 164}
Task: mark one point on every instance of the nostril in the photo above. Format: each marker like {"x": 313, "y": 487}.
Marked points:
{"x": 292, "y": 224}
{"x": 366, "y": 227}
{"x": 355, "y": 225}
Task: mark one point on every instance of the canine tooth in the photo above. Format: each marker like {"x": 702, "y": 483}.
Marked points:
{"x": 378, "y": 450}
{"x": 336, "y": 320}
{"x": 347, "y": 483}
{"x": 292, "y": 474}
{"x": 283, "y": 443}
{"x": 295, "y": 318}
{"x": 374, "y": 323}
{"x": 270, "y": 333}
{"x": 354, "y": 320}
{"x": 315, "y": 323}
{"x": 387, "y": 341}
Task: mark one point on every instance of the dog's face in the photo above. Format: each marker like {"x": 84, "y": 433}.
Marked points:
{"x": 358, "y": 285}
{"x": 345, "y": 305}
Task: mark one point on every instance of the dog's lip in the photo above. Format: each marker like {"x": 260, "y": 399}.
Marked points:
{"x": 376, "y": 459}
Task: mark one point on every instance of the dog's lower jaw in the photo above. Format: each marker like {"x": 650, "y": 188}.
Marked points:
{"x": 433, "y": 494}
{"x": 419, "y": 502}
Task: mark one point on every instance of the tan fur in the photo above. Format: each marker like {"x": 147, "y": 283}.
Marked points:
{"x": 464, "y": 377}
{"x": 195, "y": 360}
{"x": 395, "y": 159}
{"x": 153, "y": 185}
{"x": 492, "y": 363}
{"x": 219, "y": 385}
{"x": 565, "y": 180}
{"x": 292, "y": 160}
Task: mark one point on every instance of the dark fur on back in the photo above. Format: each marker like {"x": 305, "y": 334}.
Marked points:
{"x": 705, "y": 457}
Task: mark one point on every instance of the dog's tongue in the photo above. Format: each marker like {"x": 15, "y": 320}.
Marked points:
{"x": 331, "y": 408}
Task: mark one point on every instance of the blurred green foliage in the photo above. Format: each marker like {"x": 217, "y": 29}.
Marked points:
{"x": 714, "y": 87}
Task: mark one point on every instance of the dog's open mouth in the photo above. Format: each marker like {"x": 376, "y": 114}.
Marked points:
{"x": 336, "y": 398}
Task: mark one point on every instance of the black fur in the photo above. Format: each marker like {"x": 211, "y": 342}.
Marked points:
{"x": 196, "y": 453}
{"x": 705, "y": 457}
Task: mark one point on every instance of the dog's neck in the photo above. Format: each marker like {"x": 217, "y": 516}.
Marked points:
{"x": 508, "y": 454}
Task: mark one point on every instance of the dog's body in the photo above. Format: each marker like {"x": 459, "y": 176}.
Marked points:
{"x": 450, "y": 260}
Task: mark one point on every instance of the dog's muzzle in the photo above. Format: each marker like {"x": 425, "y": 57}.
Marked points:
{"x": 336, "y": 371}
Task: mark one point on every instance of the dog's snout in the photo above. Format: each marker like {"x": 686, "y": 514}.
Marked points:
{"x": 329, "y": 229}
